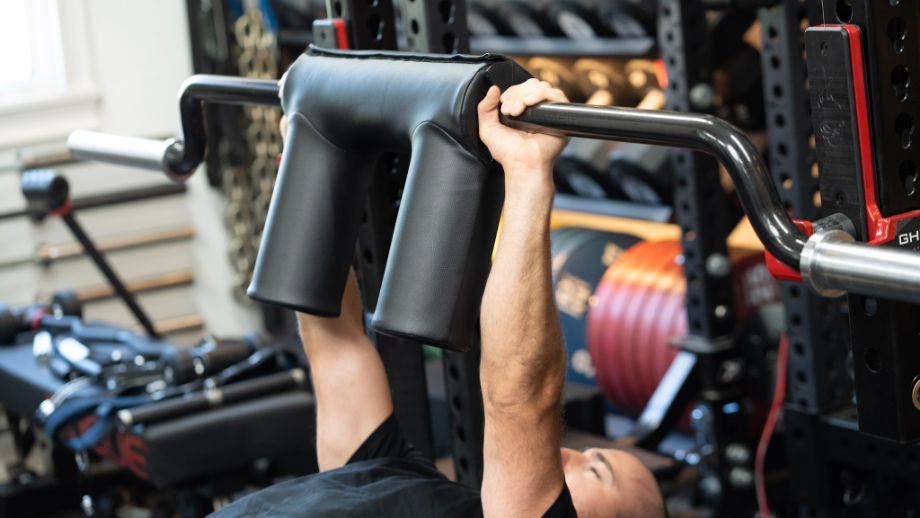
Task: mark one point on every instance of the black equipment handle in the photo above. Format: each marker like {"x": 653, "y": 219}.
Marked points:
{"x": 182, "y": 364}
{"x": 177, "y": 158}
{"x": 294, "y": 379}
{"x": 703, "y": 133}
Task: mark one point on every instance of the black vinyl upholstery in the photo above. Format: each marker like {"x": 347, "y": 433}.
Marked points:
{"x": 346, "y": 108}
{"x": 280, "y": 428}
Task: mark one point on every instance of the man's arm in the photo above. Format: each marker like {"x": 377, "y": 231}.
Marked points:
{"x": 523, "y": 360}
{"x": 349, "y": 381}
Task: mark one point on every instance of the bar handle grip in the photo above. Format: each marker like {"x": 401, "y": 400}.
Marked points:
{"x": 834, "y": 263}
{"x": 155, "y": 155}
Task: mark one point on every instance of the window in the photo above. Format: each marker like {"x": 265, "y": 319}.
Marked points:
{"x": 32, "y": 63}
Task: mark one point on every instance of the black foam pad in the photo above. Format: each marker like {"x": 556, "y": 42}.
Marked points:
{"x": 346, "y": 108}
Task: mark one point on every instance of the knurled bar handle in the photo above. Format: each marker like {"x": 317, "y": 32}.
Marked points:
{"x": 136, "y": 152}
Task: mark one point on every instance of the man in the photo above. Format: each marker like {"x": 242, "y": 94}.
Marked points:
{"x": 366, "y": 466}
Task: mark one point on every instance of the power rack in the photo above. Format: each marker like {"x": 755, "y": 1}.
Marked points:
{"x": 839, "y": 114}
{"x": 838, "y": 463}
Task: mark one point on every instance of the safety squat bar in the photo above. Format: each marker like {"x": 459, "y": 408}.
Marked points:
{"x": 830, "y": 261}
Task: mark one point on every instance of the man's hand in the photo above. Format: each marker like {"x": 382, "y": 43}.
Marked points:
{"x": 526, "y": 157}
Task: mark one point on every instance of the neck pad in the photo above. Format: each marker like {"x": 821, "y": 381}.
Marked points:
{"x": 345, "y": 109}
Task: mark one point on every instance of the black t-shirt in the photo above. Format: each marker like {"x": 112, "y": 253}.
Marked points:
{"x": 385, "y": 477}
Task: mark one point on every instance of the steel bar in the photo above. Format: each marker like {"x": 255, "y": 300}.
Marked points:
{"x": 692, "y": 131}
{"x": 832, "y": 263}
{"x": 109, "y": 274}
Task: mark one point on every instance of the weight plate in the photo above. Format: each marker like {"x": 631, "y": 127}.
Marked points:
{"x": 624, "y": 286}
{"x": 557, "y": 72}
{"x": 638, "y": 350}
{"x": 672, "y": 312}
{"x": 640, "y": 308}
{"x": 598, "y": 336}
{"x": 649, "y": 336}
{"x": 580, "y": 258}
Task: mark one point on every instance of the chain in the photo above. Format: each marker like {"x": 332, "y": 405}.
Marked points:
{"x": 248, "y": 187}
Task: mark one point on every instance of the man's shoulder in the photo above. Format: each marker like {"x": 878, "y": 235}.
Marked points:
{"x": 360, "y": 489}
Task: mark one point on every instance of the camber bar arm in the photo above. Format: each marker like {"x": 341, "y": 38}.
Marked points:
{"x": 831, "y": 263}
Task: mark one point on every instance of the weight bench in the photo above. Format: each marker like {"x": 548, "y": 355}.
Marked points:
{"x": 170, "y": 452}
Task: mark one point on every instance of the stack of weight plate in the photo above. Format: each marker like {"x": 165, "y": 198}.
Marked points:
{"x": 622, "y": 302}
{"x": 579, "y": 259}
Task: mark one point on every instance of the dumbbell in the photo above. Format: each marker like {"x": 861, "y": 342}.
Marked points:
{"x": 482, "y": 20}
{"x": 579, "y": 259}
{"x": 581, "y": 169}
{"x": 45, "y": 192}
{"x": 583, "y": 166}
{"x": 14, "y": 321}
{"x": 67, "y": 302}
{"x": 525, "y": 21}
{"x": 558, "y": 73}
{"x": 739, "y": 83}
{"x": 604, "y": 83}
{"x": 642, "y": 172}
{"x": 629, "y": 19}
{"x": 641, "y": 76}
{"x": 181, "y": 365}
{"x": 576, "y": 21}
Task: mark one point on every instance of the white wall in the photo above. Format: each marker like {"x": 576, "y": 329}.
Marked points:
{"x": 141, "y": 55}
{"x": 126, "y": 60}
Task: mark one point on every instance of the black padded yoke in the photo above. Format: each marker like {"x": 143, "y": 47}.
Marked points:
{"x": 346, "y": 108}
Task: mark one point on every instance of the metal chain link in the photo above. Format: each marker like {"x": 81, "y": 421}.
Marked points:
{"x": 248, "y": 187}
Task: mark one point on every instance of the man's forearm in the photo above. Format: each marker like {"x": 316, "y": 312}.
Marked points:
{"x": 349, "y": 382}
{"x": 523, "y": 361}
{"x": 320, "y": 334}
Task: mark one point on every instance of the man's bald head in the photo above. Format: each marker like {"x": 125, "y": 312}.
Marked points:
{"x": 611, "y": 483}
